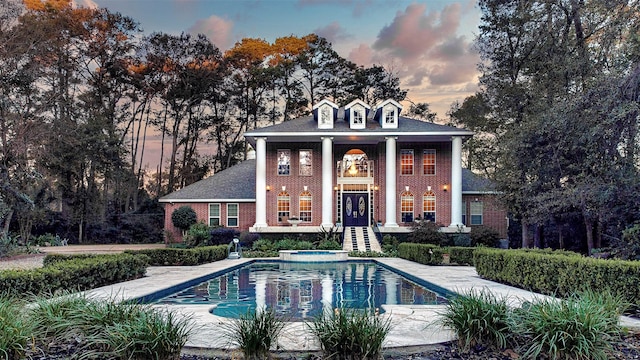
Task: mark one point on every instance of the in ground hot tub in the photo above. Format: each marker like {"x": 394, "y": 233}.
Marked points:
{"x": 313, "y": 255}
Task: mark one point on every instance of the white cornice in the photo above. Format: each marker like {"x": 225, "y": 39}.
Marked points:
{"x": 206, "y": 200}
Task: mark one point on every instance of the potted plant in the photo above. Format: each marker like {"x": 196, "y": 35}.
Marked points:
{"x": 294, "y": 221}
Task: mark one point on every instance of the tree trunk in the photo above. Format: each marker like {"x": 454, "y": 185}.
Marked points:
{"x": 526, "y": 240}
{"x": 7, "y": 222}
{"x": 589, "y": 227}
{"x": 80, "y": 229}
{"x": 537, "y": 237}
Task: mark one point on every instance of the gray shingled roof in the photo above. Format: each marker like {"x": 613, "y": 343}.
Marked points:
{"x": 307, "y": 124}
{"x": 239, "y": 183}
{"x": 235, "y": 183}
{"x": 474, "y": 183}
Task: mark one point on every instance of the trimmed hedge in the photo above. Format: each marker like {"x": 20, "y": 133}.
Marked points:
{"x": 183, "y": 257}
{"x": 560, "y": 274}
{"x": 429, "y": 254}
{"x": 73, "y": 274}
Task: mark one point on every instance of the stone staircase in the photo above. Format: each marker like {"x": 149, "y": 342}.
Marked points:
{"x": 360, "y": 239}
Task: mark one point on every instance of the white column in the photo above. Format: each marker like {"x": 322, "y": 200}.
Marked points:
{"x": 327, "y": 294}
{"x": 456, "y": 181}
{"x": 261, "y": 292}
{"x": 261, "y": 183}
{"x": 391, "y": 287}
{"x": 327, "y": 182}
{"x": 390, "y": 189}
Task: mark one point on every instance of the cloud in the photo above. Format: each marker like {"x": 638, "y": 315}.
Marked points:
{"x": 415, "y": 79}
{"x": 413, "y": 32}
{"x": 359, "y": 6}
{"x": 89, "y": 4}
{"x": 451, "y": 74}
{"x": 217, "y": 29}
{"x": 362, "y": 55}
{"x": 332, "y": 32}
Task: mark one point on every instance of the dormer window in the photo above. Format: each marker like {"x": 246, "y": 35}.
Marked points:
{"x": 388, "y": 113}
{"x": 358, "y": 115}
{"x": 325, "y": 113}
{"x": 356, "y": 112}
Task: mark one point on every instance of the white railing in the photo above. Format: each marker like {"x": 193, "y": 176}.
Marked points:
{"x": 355, "y": 169}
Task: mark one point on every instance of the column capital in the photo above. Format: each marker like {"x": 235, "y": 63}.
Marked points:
{"x": 326, "y": 137}
{"x": 391, "y": 138}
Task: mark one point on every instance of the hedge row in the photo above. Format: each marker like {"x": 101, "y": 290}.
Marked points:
{"x": 560, "y": 274}
{"x": 429, "y": 254}
{"x": 73, "y": 274}
{"x": 183, "y": 257}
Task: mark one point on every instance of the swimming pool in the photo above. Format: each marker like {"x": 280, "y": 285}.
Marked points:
{"x": 300, "y": 291}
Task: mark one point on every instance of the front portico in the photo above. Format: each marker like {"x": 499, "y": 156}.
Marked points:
{"x": 357, "y": 170}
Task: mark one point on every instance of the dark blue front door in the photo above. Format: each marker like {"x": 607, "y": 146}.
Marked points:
{"x": 355, "y": 209}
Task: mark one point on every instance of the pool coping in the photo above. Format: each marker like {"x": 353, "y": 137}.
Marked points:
{"x": 412, "y": 325}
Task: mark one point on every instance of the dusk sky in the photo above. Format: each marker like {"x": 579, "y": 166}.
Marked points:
{"x": 428, "y": 43}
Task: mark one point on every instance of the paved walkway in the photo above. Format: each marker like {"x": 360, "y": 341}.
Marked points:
{"x": 412, "y": 325}
{"x": 98, "y": 249}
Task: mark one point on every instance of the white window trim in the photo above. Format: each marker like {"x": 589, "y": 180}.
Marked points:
{"x": 278, "y": 199}
{"x": 215, "y": 217}
{"x": 300, "y": 165}
{"x": 354, "y": 110}
{"x": 472, "y": 213}
{"x": 310, "y": 198}
{"x": 408, "y": 196}
{"x": 425, "y": 197}
{"x": 413, "y": 162}
{"x": 435, "y": 162}
{"x": 237, "y": 216}
{"x": 278, "y": 163}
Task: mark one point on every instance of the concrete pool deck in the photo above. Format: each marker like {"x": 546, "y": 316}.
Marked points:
{"x": 412, "y": 325}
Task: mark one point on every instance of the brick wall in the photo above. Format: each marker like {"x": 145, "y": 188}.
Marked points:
{"x": 418, "y": 182}
{"x": 246, "y": 217}
{"x": 494, "y": 215}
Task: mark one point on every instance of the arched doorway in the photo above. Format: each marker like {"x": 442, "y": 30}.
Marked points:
{"x": 355, "y": 181}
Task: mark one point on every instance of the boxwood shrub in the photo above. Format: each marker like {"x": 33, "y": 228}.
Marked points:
{"x": 429, "y": 254}
{"x": 560, "y": 274}
{"x": 183, "y": 257}
{"x": 73, "y": 274}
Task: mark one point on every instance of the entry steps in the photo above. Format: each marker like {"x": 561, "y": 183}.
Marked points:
{"x": 360, "y": 238}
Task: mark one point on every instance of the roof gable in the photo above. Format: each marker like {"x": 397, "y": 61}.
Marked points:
{"x": 237, "y": 183}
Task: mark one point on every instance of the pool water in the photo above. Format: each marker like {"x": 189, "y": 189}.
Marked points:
{"x": 300, "y": 291}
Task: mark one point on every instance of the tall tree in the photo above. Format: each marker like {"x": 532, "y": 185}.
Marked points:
{"x": 539, "y": 59}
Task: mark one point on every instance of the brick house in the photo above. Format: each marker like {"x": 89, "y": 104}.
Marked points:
{"x": 354, "y": 167}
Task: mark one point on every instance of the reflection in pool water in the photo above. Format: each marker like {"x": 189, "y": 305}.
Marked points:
{"x": 302, "y": 290}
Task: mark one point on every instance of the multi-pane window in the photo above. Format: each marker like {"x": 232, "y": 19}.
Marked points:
{"x": 284, "y": 206}
{"x": 305, "y": 206}
{"x": 306, "y": 163}
{"x": 429, "y": 206}
{"x": 358, "y": 115}
{"x": 389, "y": 114}
{"x": 406, "y": 207}
{"x": 429, "y": 162}
{"x": 476, "y": 209}
{"x": 232, "y": 215}
{"x": 406, "y": 161}
{"x": 214, "y": 214}
{"x": 325, "y": 115}
{"x": 284, "y": 162}
{"x": 464, "y": 212}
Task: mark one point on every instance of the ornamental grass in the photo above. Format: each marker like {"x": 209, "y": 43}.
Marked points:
{"x": 350, "y": 333}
